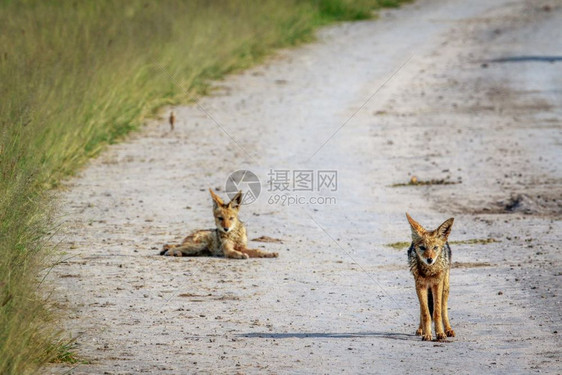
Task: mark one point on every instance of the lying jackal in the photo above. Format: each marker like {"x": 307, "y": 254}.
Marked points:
{"x": 429, "y": 258}
{"x": 228, "y": 239}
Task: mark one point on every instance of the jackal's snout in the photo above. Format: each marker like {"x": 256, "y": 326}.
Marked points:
{"x": 429, "y": 256}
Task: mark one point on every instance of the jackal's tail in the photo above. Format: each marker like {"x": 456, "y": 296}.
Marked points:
{"x": 430, "y": 302}
{"x": 165, "y": 248}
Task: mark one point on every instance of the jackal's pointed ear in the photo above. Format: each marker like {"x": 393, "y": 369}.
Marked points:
{"x": 236, "y": 201}
{"x": 445, "y": 229}
{"x": 417, "y": 229}
{"x": 217, "y": 201}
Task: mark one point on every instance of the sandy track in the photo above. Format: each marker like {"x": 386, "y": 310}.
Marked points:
{"x": 338, "y": 300}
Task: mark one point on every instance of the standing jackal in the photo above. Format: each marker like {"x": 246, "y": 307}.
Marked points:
{"x": 429, "y": 257}
{"x": 228, "y": 238}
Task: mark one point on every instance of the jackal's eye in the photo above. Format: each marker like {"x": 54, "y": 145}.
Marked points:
{"x": 220, "y": 218}
{"x": 231, "y": 218}
{"x": 435, "y": 247}
{"x": 422, "y": 248}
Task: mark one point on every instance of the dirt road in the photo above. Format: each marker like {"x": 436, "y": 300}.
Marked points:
{"x": 464, "y": 93}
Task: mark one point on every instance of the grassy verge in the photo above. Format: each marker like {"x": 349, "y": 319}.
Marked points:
{"x": 76, "y": 76}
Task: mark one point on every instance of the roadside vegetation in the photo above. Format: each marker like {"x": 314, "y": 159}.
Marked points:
{"x": 77, "y": 76}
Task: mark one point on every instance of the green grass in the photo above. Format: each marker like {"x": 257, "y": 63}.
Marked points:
{"x": 62, "y": 352}
{"x": 78, "y": 75}
{"x": 472, "y": 241}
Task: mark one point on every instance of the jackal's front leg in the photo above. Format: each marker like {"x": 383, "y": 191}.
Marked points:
{"x": 257, "y": 253}
{"x": 448, "y": 329}
{"x": 229, "y": 252}
{"x": 425, "y": 322}
{"x": 437, "y": 291}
